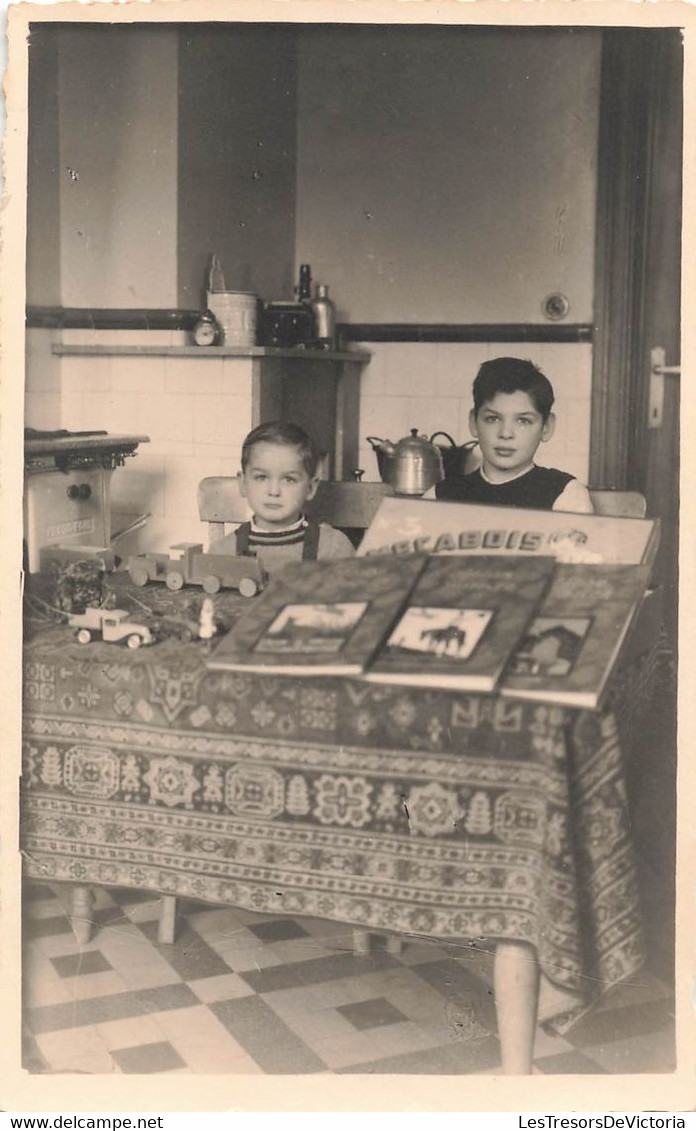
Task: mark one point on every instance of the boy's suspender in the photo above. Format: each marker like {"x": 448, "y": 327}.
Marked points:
{"x": 242, "y": 539}
{"x": 310, "y": 544}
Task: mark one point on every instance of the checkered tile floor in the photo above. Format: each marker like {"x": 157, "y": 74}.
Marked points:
{"x": 246, "y": 993}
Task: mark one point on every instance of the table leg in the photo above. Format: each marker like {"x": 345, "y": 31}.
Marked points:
{"x": 361, "y": 941}
{"x": 167, "y": 918}
{"x": 516, "y": 986}
{"x": 81, "y": 913}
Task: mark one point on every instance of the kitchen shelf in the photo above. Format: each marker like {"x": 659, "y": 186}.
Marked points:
{"x": 106, "y": 350}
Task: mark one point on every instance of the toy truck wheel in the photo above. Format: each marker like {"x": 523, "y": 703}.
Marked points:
{"x": 84, "y": 636}
{"x": 248, "y": 587}
{"x": 175, "y": 581}
{"x": 139, "y": 575}
{"x": 133, "y": 641}
{"x": 211, "y": 584}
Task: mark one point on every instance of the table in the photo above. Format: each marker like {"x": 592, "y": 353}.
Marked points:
{"x": 422, "y": 812}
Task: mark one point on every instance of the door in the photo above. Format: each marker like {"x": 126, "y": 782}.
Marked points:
{"x": 635, "y": 439}
{"x": 654, "y": 454}
{"x": 637, "y": 280}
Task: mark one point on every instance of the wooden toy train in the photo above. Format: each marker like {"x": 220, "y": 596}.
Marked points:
{"x": 186, "y": 563}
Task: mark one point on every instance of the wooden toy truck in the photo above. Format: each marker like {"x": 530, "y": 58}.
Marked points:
{"x": 113, "y": 625}
{"x": 186, "y": 563}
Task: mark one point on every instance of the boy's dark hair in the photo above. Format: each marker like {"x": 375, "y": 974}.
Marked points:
{"x": 513, "y": 375}
{"x": 283, "y": 432}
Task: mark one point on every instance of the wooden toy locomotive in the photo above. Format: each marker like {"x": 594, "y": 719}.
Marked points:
{"x": 186, "y": 563}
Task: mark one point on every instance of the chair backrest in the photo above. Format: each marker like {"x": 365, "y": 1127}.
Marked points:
{"x": 619, "y": 504}
{"x": 353, "y": 505}
{"x": 348, "y": 505}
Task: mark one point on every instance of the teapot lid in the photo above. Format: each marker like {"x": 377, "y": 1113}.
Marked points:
{"x": 414, "y": 443}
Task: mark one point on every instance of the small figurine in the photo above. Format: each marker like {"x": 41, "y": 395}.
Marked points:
{"x": 206, "y": 627}
{"x": 112, "y": 625}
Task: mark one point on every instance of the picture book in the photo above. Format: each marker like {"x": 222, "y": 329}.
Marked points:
{"x": 464, "y": 618}
{"x": 326, "y": 617}
{"x": 407, "y": 526}
{"x": 572, "y": 645}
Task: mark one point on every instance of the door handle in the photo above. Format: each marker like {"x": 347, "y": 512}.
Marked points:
{"x": 658, "y": 371}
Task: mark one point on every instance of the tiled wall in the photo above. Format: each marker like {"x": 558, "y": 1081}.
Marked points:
{"x": 197, "y": 412}
{"x": 428, "y": 387}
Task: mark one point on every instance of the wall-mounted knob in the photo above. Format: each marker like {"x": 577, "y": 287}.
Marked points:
{"x": 79, "y": 491}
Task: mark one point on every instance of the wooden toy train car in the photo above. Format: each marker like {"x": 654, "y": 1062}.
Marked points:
{"x": 186, "y": 563}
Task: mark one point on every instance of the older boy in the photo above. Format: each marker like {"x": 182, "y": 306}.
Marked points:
{"x": 511, "y": 417}
{"x": 278, "y": 476}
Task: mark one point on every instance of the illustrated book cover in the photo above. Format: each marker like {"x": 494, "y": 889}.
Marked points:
{"x": 430, "y": 526}
{"x": 464, "y": 618}
{"x": 571, "y": 647}
{"x": 326, "y": 618}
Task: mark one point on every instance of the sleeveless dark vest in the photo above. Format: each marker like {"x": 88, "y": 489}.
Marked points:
{"x": 310, "y": 543}
{"x": 537, "y": 489}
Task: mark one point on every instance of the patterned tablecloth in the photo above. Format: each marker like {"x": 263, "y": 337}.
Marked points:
{"x": 430, "y": 813}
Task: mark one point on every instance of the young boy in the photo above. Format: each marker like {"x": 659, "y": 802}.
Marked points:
{"x": 278, "y": 476}
{"x": 511, "y": 417}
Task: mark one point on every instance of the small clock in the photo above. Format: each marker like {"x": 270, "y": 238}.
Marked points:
{"x": 206, "y": 332}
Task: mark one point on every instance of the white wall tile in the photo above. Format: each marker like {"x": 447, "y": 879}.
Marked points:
{"x": 221, "y": 420}
{"x": 165, "y": 417}
{"x": 42, "y": 410}
{"x": 42, "y": 367}
{"x": 181, "y": 481}
{"x": 455, "y": 364}
{"x": 236, "y": 374}
{"x": 72, "y": 412}
{"x": 231, "y": 464}
{"x": 408, "y": 368}
{"x": 179, "y": 449}
{"x": 86, "y": 374}
{"x": 386, "y": 417}
{"x": 215, "y": 453}
{"x": 433, "y": 414}
{"x": 137, "y": 374}
{"x": 192, "y": 375}
{"x": 372, "y": 375}
{"x": 114, "y": 413}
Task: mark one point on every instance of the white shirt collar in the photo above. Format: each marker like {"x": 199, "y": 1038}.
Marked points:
{"x": 301, "y": 522}
{"x": 512, "y": 480}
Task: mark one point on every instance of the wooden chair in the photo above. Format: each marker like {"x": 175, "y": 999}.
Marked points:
{"x": 352, "y": 505}
{"x": 619, "y": 504}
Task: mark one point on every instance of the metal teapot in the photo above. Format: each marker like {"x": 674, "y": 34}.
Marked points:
{"x": 412, "y": 465}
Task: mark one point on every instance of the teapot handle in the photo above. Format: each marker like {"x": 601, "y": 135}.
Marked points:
{"x": 445, "y": 434}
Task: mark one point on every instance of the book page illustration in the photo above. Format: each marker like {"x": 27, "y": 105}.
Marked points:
{"x": 444, "y": 632}
{"x": 551, "y": 647}
{"x": 311, "y": 628}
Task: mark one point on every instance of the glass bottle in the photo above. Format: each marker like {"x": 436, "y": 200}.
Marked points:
{"x": 304, "y": 286}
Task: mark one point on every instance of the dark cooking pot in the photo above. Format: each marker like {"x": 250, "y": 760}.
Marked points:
{"x": 287, "y": 324}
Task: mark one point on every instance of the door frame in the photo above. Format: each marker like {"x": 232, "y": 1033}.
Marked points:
{"x": 633, "y": 61}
